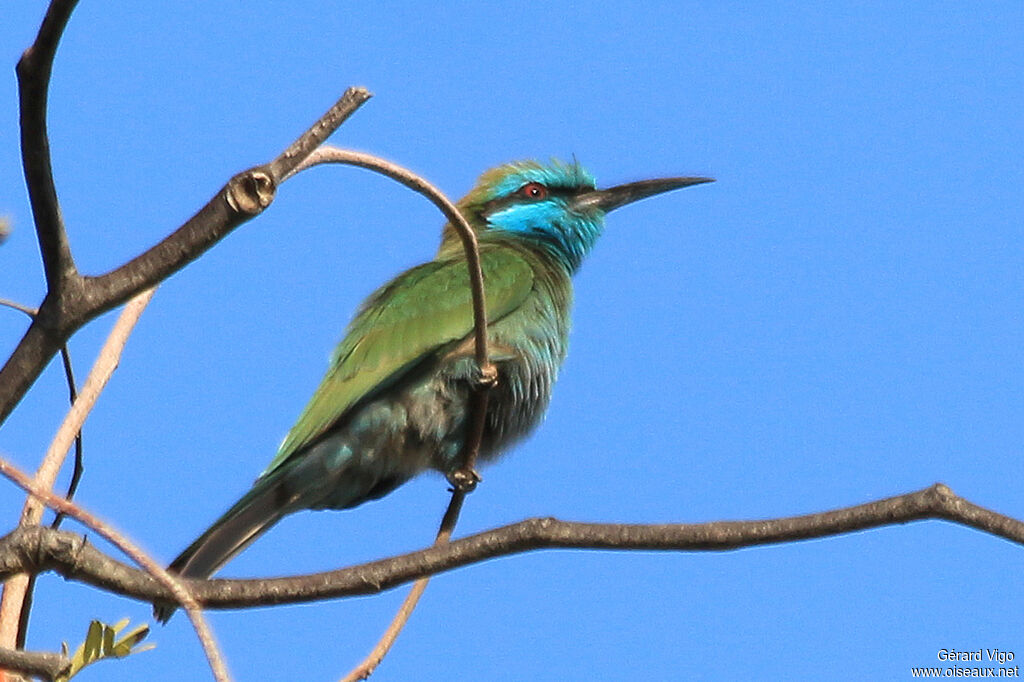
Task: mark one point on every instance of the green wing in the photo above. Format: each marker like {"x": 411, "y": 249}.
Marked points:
{"x": 416, "y": 313}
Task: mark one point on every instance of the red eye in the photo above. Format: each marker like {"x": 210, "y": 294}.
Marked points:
{"x": 533, "y": 191}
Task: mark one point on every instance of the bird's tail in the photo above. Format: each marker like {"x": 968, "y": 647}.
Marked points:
{"x": 250, "y": 517}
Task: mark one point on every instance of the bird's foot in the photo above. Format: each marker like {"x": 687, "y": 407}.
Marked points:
{"x": 464, "y": 480}
{"x": 486, "y": 376}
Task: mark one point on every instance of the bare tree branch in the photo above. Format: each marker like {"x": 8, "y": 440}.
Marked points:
{"x": 43, "y": 549}
{"x": 244, "y": 197}
{"x": 34, "y": 69}
{"x": 17, "y": 587}
{"x": 387, "y": 640}
{"x": 172, "y": 585}
{"x": 38, "y": 664}
{"x": 81, "y": 299}
{"x": 465, "y": 478}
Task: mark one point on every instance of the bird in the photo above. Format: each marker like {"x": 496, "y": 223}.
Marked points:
{"x": 396, "y": 398}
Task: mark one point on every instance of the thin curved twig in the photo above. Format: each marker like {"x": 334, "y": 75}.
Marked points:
{"x": 70, "y": 555}
{"x": 488, "y": 374}
{"x": 387, "y": 640}
{"x": 328, "y": 154}
{"x": 465, "y": 478}
{"x": 178, "y": 591}
{"x": 79, "y": 466}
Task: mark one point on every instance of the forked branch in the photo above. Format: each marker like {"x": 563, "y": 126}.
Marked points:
{"x": 73, "y": 300}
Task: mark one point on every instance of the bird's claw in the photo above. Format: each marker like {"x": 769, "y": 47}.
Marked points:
{"x": 464, "y": 480}
{"x": 486, "y": 376}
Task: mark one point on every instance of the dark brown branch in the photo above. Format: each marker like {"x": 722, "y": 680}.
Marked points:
{"x": 42, "y": 664}
{"x": 34, "y": 69}
{"x": 35, "y": 350}
{"x": 43, "y": 549}
{"x": 244, "y": 197}
{"x": 67, "y": 309}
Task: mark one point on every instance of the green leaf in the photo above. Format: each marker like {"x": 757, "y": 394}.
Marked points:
{"x": 126, "y": 644}
{"x": 94, "y": 641}
{"x": 100, "y": 642}
{"x": 108, "y": 640}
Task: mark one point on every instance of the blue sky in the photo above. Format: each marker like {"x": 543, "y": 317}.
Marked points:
{"x": 837, "y": 319}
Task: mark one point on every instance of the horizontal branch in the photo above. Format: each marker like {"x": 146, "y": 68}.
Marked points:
{"x": 37, "y": 664}
{"x": 171, "y": 583}
{"x": 43, "y": 549}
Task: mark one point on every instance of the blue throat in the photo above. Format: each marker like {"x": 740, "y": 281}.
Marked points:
{"x": 567, "y": 236}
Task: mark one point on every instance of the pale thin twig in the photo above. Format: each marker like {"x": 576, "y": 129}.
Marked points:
{"x": 465, "y": 478}
{"x": 106, "y": 362}
{"x": 329, "y": 154}
{"x": 16, "y": 587}
{"x": 373, "y": 659}
{"x": 28, "y": 310}
{"x": 119, "y": 540}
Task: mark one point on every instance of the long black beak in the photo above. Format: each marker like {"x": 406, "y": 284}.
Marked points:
{"x": 620, "y": 195}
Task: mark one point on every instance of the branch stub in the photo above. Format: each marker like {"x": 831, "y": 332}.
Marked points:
{"x": 250, "y": 192}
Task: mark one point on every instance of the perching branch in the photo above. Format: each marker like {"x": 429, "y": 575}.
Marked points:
{"x": 43, "y": 549}
{"x": 465, "y": 478}
{"x": 171, "y": 584}
{"x": 328, "y": 154}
